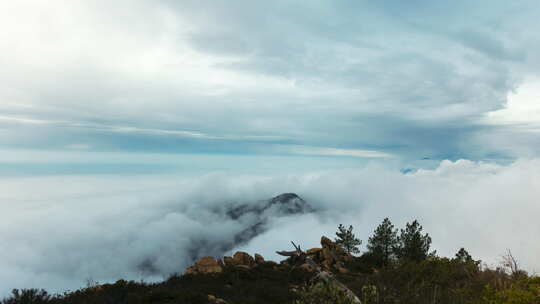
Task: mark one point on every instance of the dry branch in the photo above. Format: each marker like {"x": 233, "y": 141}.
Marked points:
{"x": 300, "y": 256}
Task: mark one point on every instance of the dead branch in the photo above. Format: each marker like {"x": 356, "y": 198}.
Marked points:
{"x": 510, "y": 262}
{"x": 322, "y": 275}
{"x": 287, "y": 253}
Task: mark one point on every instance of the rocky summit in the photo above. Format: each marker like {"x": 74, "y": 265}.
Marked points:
{"x": 329, "y": 257}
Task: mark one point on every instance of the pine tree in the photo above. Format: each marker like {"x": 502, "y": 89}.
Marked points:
{"x": 463, "y": 256}
{"x": 347, "y": 240}
{"x": 382, "y": 243}
{"x": 412, "y": 245}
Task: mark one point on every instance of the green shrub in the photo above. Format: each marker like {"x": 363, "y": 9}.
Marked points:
{"x": 323, "y": 293}
{"x": 523, "y": 291}
{"x": 28, "y": 296}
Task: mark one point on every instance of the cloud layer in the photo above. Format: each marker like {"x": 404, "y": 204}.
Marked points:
{"x": 68, "y": 229}
{"x": 413, "y": 80}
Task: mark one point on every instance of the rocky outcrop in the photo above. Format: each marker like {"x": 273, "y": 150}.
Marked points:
{"x": 330, "y": 257}
{"x": 322, "y": 261}
{"x": 240, "y": 260}
{"x": 205, "y": 265}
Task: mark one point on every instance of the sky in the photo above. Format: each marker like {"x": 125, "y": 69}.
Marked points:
{"x": 111, "y": 106}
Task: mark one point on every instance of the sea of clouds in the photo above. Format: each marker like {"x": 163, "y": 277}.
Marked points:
{"x": 60, "y": 232}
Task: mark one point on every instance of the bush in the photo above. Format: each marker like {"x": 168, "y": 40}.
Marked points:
{"x": 323, "y": 293}
{"x": 28, "y": 296}
{"x": 523, "y": 291}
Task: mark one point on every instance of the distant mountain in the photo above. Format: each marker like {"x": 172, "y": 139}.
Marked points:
{"x": 286, "y": 204}
{"x": 282, "y": 205}
{"x": 255, "y": 217}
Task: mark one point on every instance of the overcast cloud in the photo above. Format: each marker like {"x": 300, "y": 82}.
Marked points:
{"x": 415, "y": 79}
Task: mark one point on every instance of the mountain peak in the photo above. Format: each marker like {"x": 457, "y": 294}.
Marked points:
{"x": 289, "y": 203}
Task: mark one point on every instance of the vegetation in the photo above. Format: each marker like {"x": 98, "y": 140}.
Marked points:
{"x": 30, "y": 296}
{"x": 412, "y": 245}
{"x": 347, "y": 239}
{"x": 395, "y": 269}
{"x": 323, "y": 293}
{"x": 382, "y": 244}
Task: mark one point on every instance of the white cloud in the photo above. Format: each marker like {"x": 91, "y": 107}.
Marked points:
{"x": 522, "y": 109}
{"x": 69, "y": 228}
{"x": 308, "y": 150}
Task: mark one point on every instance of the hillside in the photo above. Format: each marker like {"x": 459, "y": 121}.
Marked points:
{"x": 246, "y": 279}
{"x": 397, "y": 267}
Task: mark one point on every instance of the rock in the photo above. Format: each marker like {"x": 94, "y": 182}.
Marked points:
{"x": 270, "y": 263}
{"x": 339, "y": 251}
{"x": 331, "y": 256}
{"x": 306, "y": 267}
{"x": 259, "y": 258}
{"x": 190, "y": 270}
{"x": 313, "y": 251}
{"x": 326, "y": 265}
{"x": 205, "y": 265}
{"x": 326, "y": 242}
{"x": 228, "y": 261}
{"x": 243, "y": 258}
{"x": 208, "y": 265}
{"x": 242, "y": 267}
{"x": 213, "y": 300}
{"x": 327, "y": 255}
{"x": 294, "y": 288}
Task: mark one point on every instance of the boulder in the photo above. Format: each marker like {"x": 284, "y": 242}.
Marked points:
{"x": 214, "y": 300}
{"x": 205, "y": 265}
{"x": 270, "y": 263}
{"x": 306, "y": 267}
{"x": 326, "y": 265}
{"x": 190, "y": 270}
{"x": 228, "y": 261}
{"x": 259, "y": 258}
{"x": 332, "y": 256}
{"x": 327, "y": 255}
{"x": 326, "y": 242}
{"x": 243, "y": 258}
{"x": 242, "y": 267}
{"x": 313, "y": 251}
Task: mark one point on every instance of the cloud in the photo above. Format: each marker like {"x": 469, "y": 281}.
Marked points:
{"x": 307, "y": 150}
{"x": 402, "y": 79}
{"x": 522, "y": 109}
{"x": 71, "y": 228}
